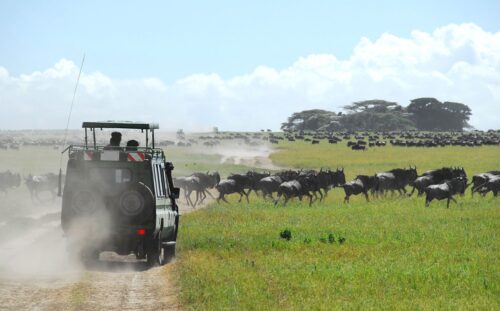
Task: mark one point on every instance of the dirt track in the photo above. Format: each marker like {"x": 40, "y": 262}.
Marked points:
{"x": 35, "y": 273}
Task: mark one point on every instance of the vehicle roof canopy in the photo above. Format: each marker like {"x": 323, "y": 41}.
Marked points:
{"x": 121, "y": 125}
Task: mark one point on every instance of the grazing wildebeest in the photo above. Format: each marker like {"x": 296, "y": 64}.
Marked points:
{"x": 200, "y": 183}
{"x": 302, "y": 186}
{"x": 229, "y": 186}
{"x": 358, "y": 147}
{"x": 395, "y": 179}
{"x": 9, "y": 180}
{"x": 481, "y": 179}
{"x": 434, "y": 177}
{"x": 361, "y": 184}
{"x": 445, "y": 190}
{"x": 39, "y": 183}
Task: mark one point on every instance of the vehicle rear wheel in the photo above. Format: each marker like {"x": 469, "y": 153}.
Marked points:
{"x": 156, "y": 255}
{"x": 169, "y": 252}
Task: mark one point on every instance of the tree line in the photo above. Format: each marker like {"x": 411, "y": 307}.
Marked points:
{"x": 426, "y": 114}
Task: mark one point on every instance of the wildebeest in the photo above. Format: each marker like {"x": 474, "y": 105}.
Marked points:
{"x": 39, "y": 183}
{"x": 200, "y": 183}
{"x": 436, "y": 176}
{"x": 482, "y": 178}
{"x": 361, "y": 184}
{"x": 182, "y": 183}
{"x": 229, "y": 186}
{"x": 9, "y": 180}
{"x": 248, "y": 181}
{"x": 493, "y": 185}
{"x": 324, "y": 180}
{"x": 270, "y": 184}
{"x": 395, "y": 179}
{"x": 302, "y": 186}
{"x": 358, "y": 147}
{"x": 445, "y": 190}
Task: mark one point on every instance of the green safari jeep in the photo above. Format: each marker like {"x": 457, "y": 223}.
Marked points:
{"x": 120, "y": 199}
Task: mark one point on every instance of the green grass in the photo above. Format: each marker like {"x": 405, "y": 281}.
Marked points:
{"x": 397, "y": 254}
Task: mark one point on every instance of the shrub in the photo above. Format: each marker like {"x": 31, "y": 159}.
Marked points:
{"x": 286, "y": 234}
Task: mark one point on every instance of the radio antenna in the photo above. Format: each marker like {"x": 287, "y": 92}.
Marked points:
{"x": 67, "y": 124}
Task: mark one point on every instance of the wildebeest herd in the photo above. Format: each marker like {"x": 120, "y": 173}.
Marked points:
{"x": 438, "y": 184}
{"x": 36, "y": 184}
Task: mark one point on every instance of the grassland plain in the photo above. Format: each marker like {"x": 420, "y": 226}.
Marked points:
{"x": 396, "y": 255}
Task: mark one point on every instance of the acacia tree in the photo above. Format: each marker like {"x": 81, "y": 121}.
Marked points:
{"x": 310, "y": 120}
{"x": 430, "y": 114}
{"x": 376, "y": 115}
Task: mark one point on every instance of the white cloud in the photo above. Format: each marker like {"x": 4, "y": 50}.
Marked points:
{"x": 455, "y": 63}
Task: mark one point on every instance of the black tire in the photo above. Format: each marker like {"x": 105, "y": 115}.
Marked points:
{"x": 169, "y": 252}
{"x": 156, "y": 254}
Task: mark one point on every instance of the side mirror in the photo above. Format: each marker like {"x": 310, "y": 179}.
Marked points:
{"x": 176, "y": 192}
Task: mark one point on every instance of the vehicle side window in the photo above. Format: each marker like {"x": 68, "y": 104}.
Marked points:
{"x": 159, "y": 181}
{"x": 164, "y": 181}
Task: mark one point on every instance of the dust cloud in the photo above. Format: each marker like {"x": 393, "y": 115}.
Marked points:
{"x": 242, "y": 154}
{"x": 32, "y": 245}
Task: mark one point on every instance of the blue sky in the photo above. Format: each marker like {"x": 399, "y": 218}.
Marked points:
{"x": 172, "y": 39}
{"x": 242, "y": 65}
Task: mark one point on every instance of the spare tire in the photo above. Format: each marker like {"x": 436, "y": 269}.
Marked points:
{"x": 86, "y": 201}
{"x": 136, "y": 202}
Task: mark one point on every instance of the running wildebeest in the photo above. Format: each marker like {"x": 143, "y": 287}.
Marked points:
{"x": 395, "y": 179}
{"x": 337, "y": 180}
{"x": 324, "y": 180}
{"x": 302, "y": 186}
{"x": 492, "y": 184}
{"x": 248, "y": 181}
{"x": 254, "y": 178}
{"x": 39, "y": 183}
{"x": 434, "y": 177}
{"x": 182, "y": 183}
{"x": 200, "y": 183}
{"x": 482, "y": 178}
{"x": 360, "y": 184}
{"x": 269, "y": 185}
{"x": 9, "y": 180}
{"x": 229, "y": 186}
{"x": 445, "y": 190}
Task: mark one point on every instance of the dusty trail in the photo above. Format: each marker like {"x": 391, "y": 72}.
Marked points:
{"x": 36, "y": 274}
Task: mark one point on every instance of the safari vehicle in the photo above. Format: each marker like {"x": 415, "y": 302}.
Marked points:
{"x": 120, "y": 199}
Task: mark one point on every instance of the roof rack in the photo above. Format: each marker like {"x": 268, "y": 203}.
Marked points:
{"x": 92, "y": 126}
{"x": 121, "y": 125}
